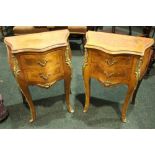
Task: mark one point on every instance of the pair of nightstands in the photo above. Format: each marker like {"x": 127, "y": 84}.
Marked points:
{"x": 44, "y": 58}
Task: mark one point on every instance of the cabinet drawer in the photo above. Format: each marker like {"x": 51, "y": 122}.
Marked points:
{"x": 111, "y": 61}
{"x": 110, "y": 75}
{"x": 40, "y": 60}
{"x": 44, "y": 75}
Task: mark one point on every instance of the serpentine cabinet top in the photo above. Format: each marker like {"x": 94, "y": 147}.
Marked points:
{"x": 118, "y": 44}
{"x": 38, "y": 42}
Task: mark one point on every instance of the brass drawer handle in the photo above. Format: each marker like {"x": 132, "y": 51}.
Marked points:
{"x": 108, "y": 83}
{"x": 43, "y": 76}
{"x": 108, "y": 74}
{"x": 42, "y": 63}
{"x": 111, "y": 61}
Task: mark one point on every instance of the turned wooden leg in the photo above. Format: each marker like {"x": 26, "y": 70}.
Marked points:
{"x": 27, "y": 95}
{"x": 83, "y": 41}
{"x": 87, "y": 92}
{"x": 126, "y": 103}
{"x": 135, "y": 92}
{"x": 130, "y": 30}
{"x": 113, "y": 29}
{"x": 67, "y": 83}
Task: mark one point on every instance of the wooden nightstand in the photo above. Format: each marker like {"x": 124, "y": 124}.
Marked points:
{"x": 40, "y": 59}
{"x": 115, "y": 59}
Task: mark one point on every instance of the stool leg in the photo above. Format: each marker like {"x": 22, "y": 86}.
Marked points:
{"x": 83, "y": 43}
{"x": 95, "y": 28}
{"x": 113, "y": 29}
{"x": 130, "y": 30}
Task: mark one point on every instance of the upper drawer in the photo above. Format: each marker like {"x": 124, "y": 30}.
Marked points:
{"x": 111, "y": 61}
{"x": 40, "y": 60}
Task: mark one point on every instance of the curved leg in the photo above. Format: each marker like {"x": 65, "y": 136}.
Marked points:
{"x": 24, "y": 99}
{"x": 67, "y": 83}
{"x": 67, "y": 78}
{"x": 126, "y": 103}
{"x": 27, "y": 95}
{"x": 135, "y": 92}
{"x": 87, "y": 91}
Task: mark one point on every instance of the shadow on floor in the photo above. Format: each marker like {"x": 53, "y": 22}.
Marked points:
{"x": 101, "y": 113}
{"x": 151, "y": 73}
{"x": 48, "y": 109}
{"x": 100, "y": 103}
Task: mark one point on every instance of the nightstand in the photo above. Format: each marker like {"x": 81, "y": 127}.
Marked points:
{"x": 40, "y": 59}
{"x": 114, "y": 59}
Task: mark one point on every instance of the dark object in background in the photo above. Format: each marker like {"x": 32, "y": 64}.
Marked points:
{"x": 2, "y": 33}
{"x": 7, "y": 31}
{"x": 3, "y": 111}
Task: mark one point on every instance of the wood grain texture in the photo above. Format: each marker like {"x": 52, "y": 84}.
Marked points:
{"x": 113, "y": 69}
{"x": 117, "y": 44}
{"x": 40, "y": 68}
{"x": 37, "y": 42}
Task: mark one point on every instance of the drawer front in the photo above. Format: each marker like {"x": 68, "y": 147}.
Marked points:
{"x": 44, "y": 75}
{"x": 110, "y": 69}
{"x": 111, "y": 61}
{"x": 110, "y": 76}
{"x": 40, "y": 60}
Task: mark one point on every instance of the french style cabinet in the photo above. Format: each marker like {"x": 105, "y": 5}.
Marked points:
{"x": 40, "y": 59}
{"x": 114, "y": 59}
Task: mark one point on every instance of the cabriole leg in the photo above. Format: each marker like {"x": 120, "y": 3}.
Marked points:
{"x": 87, "y": 92}
{"x": 67, "y": 83}
{"x": 27, "y": 95}
{"x": 135, "y": 92}
{"x": 126, "y": 102}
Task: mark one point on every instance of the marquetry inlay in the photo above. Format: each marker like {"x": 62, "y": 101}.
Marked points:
{"x": 40, "y": 59}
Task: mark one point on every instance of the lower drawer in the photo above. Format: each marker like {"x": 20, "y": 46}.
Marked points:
{"x": 44, "y": 75}
{"x": 110, "y": 76}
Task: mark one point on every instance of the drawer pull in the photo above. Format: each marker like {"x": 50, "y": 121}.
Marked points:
{"x": 107, "y": 83}
{"x": 43, "y": 76}
{"x": 42, "y": 63}
{"x": 108, "y": 74}
{"x": 111, "y": 61}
